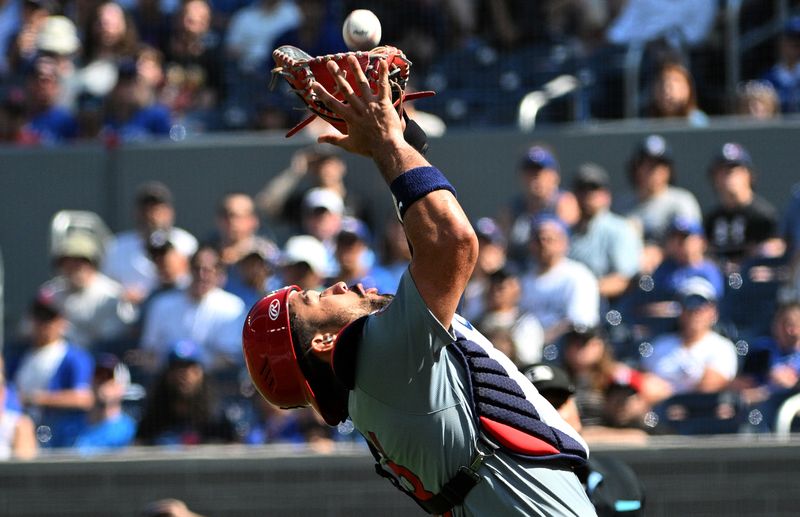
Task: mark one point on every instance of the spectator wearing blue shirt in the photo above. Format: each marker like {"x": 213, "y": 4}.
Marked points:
{"x": 53, "y": 378}
{"x": 654, "y": 305}
{"x": 47, "y": 123}
{"x": 132, "y": 113}
{"x": 785, "y": 74}
{"x": 608, "y": 244}
{"x": 111, "y": 428}
{"x": 354, "y": 256}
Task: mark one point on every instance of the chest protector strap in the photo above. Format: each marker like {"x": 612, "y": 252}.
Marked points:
{"x": 506, "y": 417}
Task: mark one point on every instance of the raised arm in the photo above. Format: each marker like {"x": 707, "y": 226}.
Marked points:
{"x": 443, "y": 242}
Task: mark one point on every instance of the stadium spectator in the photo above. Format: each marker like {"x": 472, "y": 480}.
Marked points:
{"x": 653, "y": 308}
{"x": 249, "y": 42}
{"x": 319, "y": 166}
{"x": 93, "y": 304}
{"x": 126, "y": 259}
{"x": 22, "y": 49}
{"x": 674, "y": 95}
{"x": 557, "y": 290}
{"x": 237, "y": 227}
{"x": 46, "y": 123}
{"x": 172, "y": 266}
{"x": 109, "y": 426}
{"x": 785, "y": 74}
{"x": 181, "y": 409}
{"x": 109, "y": 36}
{"x": 132, "y": 110}
{"x": 502, "y": 314}
{"x": 354, "y": 255}
{"x": 695, "y": 359}
{"x": 10, "y": 21}
{"x": 680, "y": 22}
{"x": 393, "y": 257}
{"x": 604, "y": 242}
{"x": 195, "y": 74}
{"x": 58, "y": 38}
{"x": 655, "y": 201}
{"x": 540, "y": 194}
{"x": 743, "y": 221}
{"x": 53, "y": 377}
{"x": 784, "y": 372}
{"x": 256, "y": 271}
{"x": 491, "y": 258}
{"x": 323, "y": 210}
{"x": 757, "y": 100}
{"x": 17, "y": 436}
{"x": 202, "y": 313}
{"x": 599, "y": 380}
{"x": 304, "y": 262}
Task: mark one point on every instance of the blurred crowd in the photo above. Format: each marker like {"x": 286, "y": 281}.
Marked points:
{"x": 134, "y": 70}
{"x": 665, "y": 319}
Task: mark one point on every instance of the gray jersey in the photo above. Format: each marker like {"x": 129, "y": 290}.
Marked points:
{"x": 411, "y": 400}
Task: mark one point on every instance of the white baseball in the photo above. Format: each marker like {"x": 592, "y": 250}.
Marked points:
{"x": 361, "y": 30}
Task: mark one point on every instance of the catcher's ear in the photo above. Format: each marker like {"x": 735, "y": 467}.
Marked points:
{"x": 414, "y": 135}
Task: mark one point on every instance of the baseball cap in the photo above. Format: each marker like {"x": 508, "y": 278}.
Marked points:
{"x": 487, "y": 228}
{"x": 539, "y": 157}
{"x": 153, "y": 193}
{"x": 654, "y": 147}
{"x": 43, "y": 307}
{"x": 685, "y": 226}
{"x": 694, "y": 292}
{"x": 548, "y": 377}
{"x": 352, "y": 227}
{"x": 263, "y": 249}
{"x": 78, "y": 245}
{"x": 591, "y": 176}
{"x": 58, "y": 35}
{"x": 584, "y": 333}
{"x": 323, "y": 198}
{"x": 306, "y": 249}
{"x": 159, "y": 243}
{"x": 732, "y": 154}
{"x": 184, "y": 351}
{"x": 540, "y": 220}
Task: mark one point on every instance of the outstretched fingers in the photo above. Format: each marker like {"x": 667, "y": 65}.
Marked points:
{"x": 384, "y": 88}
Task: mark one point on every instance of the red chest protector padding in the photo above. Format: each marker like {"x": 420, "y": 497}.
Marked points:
{"x": 506, "y": 416}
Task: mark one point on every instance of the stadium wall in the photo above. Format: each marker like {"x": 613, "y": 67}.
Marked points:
{"x": 36, "y": 183}
{"x": 698, "y": 477}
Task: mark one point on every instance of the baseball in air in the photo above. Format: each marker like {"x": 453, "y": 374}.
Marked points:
{"x": 361, "y": 30}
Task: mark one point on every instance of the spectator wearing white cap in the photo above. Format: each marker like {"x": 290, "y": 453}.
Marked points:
{"x": 92, "y": 303}
{"x": 694, "y": 359}
{"x": 58, "y": 39}
{"x": 323, "y": 210}
{"x": 304, "y": 262}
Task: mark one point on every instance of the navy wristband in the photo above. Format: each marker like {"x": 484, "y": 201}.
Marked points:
{"x": 415, "y": 184}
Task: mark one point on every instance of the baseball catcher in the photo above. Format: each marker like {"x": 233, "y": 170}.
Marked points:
{"x": 451, "y": 421}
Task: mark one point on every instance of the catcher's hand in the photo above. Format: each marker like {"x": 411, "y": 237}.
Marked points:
{"x": 302, "y": 72}
{"x": 372, "y": 122}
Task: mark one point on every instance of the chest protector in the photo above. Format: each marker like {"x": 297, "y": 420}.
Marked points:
{"x": 505, "y": 419}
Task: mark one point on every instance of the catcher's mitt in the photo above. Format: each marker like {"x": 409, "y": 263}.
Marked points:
{"x": 301, "y": 71}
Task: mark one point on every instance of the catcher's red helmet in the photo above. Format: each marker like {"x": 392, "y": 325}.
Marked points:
{"x": 271, "y": 359}
{"x": 270, "y": 354}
